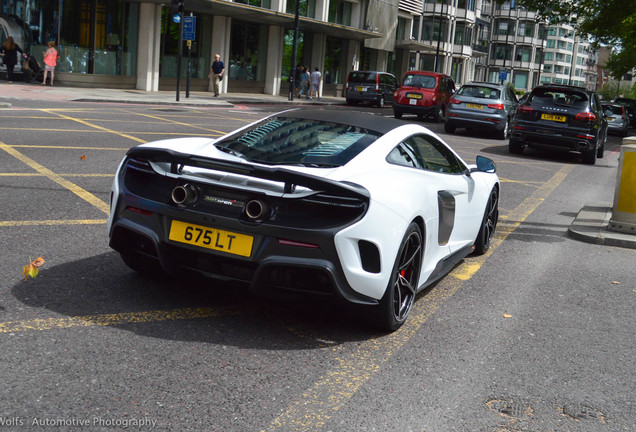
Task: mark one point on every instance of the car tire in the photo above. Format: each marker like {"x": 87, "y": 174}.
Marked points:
{"x": 397, "y": 114}
{"x": 396, "y": 304}
{"x": 515, "y": 146}
{"x": 142, "y": 264}
{"x": 350, "y": 102}
{"x": 503, "y": 134}
{"x": 589, "y": 157}
{"x": 601, "y": 151}
{"x": 449, "y": 128}
{"x": 381, "y": 102}
{"x": 438, "y": 117}
{"x": 488, "y": 224}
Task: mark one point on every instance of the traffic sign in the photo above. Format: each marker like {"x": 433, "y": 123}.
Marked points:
{"x": 176, "y": 18}
{"x": 189, "y": 27}
{"x": 503, "y": 74}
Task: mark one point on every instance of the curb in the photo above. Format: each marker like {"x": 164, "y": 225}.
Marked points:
{"x": 590, "y": 226}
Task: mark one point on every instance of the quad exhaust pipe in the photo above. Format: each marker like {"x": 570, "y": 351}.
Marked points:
{"x": 256, "y": 210}
{"x": 184, "y": 195}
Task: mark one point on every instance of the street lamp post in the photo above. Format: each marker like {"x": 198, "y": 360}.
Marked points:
{"x": 292, "y": 76}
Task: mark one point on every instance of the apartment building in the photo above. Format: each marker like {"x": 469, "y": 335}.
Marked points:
{"x": 129, "y": 44}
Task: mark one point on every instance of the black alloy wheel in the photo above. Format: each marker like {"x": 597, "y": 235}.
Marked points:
{"x": 399, "y": 297}
{"x": 397, "y": 114}
{"x": 488, "y": 224}
{"x": 448, "y": 127}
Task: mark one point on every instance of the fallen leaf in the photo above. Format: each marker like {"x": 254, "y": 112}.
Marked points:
{"x": 31, "y": 269}
{"x": 616, "y": 282}
{"x": 507, "y": 316}
{"x": 83, "y": 157}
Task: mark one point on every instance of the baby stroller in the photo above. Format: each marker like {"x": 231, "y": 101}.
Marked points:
{"x": 31, "y": 69}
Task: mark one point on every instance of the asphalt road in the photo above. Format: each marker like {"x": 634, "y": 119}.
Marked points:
{"x": 538, "y": 335}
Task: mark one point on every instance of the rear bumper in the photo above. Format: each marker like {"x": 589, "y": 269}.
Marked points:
{"x": 573, "y": 141}
{"x": 495, "y": 122}
{"x": 415, "y": 109}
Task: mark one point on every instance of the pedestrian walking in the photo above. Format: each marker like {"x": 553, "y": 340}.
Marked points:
{"x": 216, "y": 73}
{"x": 316, "y": 77}
{"x": 50, "y": 61}
{"x": 9, "y": 52}
{"x": 304, "y": 83}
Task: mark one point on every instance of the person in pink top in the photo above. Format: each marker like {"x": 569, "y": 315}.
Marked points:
{"x": 50, "y": 61}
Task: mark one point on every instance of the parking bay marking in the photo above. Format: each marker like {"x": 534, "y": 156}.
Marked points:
{"x": 317, "y": 405}
{"x": 85, "y": 195}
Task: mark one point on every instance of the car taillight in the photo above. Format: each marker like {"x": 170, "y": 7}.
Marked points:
{"x": 525, "y": 109}
{"x": 455, "y": 101}
{"x": 496, "y": 106}
{"x": 586, "y": 116}
{"x": 377, "y": 82}
{"x": 434, "y": 98}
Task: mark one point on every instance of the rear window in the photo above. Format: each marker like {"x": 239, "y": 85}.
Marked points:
{"x": 294, "y": 141}
{"x": 421, "y": 81}
{"x": 479, "y": 92}
{"x": 617, "y": 110}
{"x": 363, "y": 77}
{"x": 560, "y": 97}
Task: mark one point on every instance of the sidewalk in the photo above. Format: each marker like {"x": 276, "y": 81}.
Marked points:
{"x": 19, "y": 90}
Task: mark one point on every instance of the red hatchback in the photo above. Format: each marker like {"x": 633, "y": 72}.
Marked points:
{"x": 423, "y": 93}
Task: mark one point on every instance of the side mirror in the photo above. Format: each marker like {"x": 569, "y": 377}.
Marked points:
{"x": 485, "y": 165}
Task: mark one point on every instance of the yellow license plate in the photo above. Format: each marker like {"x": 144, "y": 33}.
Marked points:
{"x": 476, "y": 106}
{"x": 211, "y": 238}
{"x": 553, "y": 117}
{"x": 413, "y": 96}
{"x": 361, "y": 89}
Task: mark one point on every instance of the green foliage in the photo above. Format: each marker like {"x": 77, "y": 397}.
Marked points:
{"x": 607, "y": 22}
{"x": 611, "y": 90}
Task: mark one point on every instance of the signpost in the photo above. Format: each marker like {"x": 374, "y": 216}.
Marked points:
{"x": 189, "y": 31}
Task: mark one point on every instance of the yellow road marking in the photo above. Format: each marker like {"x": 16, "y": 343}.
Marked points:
{"x": 85, "y": 195}
{"x": 114, "y": 319}
{"x": 317, "y": 405}
{"x": 124, "y": 134}
{"x": 163, "y": 119}
{"x": 139, "y": 140}
{"x": 61, "y": 175}
{"x": 52, "y": 222}
{"x": 44, "y": 146}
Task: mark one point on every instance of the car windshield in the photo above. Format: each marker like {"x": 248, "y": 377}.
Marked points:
{"x": 295, "y": 141}
{"x": 421, "y": 81}
{"x": 562, "y": 97}
{"x": 363, "y": 77}
{"x": 479, "y": 92}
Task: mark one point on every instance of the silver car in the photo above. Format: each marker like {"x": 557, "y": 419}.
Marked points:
{"x": 480, "y": 105}
{"x": 617, "y": 118}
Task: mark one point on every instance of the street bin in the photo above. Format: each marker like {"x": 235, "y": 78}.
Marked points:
{"x": 624, "y": 210}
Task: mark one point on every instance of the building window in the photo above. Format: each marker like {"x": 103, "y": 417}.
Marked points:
{"x": 501, "y": 52}
{"x": 335, "y": 61}
{"x": 248, "y": 47}
{"x": 550, "y": 43}
{"x": 257, "y": 3}
{"x": 307, "y": 8}
{"x": 340, "y": 12}
{"x": 548, "y": 56}
{"x": 96, "y": 37}
{"x": 521, "y": 80}
{"x": 400, "y": 33}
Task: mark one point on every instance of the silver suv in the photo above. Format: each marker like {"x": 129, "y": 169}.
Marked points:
{"x": 480, "y": 105}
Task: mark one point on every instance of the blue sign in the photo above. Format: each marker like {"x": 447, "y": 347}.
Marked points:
{"x": 503, "y": 74}
{"x": 176, "y": 18}
{"x": 189, "y": 27}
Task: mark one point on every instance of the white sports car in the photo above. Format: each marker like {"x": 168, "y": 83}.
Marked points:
{"x": 355, "y": 206}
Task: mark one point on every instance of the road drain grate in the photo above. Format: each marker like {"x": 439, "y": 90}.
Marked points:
{"x": 583, "y": 412}
{"x": 509, "y": 408}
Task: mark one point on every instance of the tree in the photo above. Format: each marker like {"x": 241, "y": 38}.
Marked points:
{"x": 607, "y": 22}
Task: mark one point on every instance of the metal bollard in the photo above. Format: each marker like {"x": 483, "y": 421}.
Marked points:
{"x": 624, "y": 210}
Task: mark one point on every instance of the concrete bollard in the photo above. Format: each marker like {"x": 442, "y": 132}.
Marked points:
{"x": 624, "y": 210}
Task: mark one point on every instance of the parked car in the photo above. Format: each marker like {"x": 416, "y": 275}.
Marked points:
{"x": 423, "y": 93}
{"x": 560, "y": 117}
{"x": 630, "y": 106}
{"x": 482, "y": 105}
{"x": 370, "y": 86}
{"x": 321, "y": 202}
{"x": 617, "y": 118}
